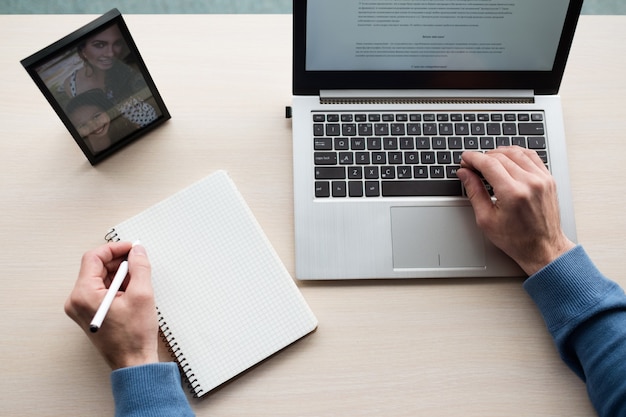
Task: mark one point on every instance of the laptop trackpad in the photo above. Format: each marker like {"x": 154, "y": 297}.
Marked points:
{"x": 436, "y": 237}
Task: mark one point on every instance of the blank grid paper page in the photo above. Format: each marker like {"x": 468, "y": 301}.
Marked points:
{"x": 221, "y": 289}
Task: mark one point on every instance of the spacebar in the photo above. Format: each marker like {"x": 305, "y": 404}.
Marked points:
{"x": 421, "y": 188}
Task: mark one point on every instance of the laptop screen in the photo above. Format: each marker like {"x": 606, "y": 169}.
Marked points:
{"x": 441, "y": 35}
{"x": 431, "y": 44}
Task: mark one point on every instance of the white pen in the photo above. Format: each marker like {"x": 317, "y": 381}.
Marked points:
{"x": 120, "y": 275}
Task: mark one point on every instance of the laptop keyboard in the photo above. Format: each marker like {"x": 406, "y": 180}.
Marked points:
{"x": 403, "y": 154}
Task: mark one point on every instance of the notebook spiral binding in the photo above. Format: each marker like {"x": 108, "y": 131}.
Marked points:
{"x": 112, "y": 236}
{"x": 168, "y": 337}
{"x": 176, "y": 353}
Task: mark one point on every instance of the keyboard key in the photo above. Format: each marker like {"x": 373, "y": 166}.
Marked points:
{"x": 439, "y": 143}
{"x": 379, "y": 157}
{"x": 494, "y": 129}
{"x": 348, "y": 129}
{"x": 339, "y": 188}
{"x": 437, "y": 171}
{"x": 322, "y": 189}
{"x": 445, "y": 129}
{"x": 455, "y": 142}
{"x": 414, "y": 129}
{"x": 395, "y": 158}
{"x": 362, "y": 158}
{"x": 421, "y": 188}
{"x": 346, "y": 158}
{"x": 420, "y": 171}
{"x": 411, "y": 158}
{"x": 381, "y": 129}
{"x": 519, "y": 141}
{"x": 427, "y": 158}
{"x": 355, "y": 173}
{"x": 342, "y": 144}
{"x": 357, "y": 144}
{"x": 371, "y": 173}
{"x": 398, "y": 129}
{"x": 405, "y": 172}
{"x": 471, "y": 142}
{"x": 372, "y": 189}
{"x": 330, "y": 173}
{"x": 355, "y": 189}
{"x": 536, "y": 142}
{"x": 451, "y": 171}
{"x": 478, "y": 128}
{"x": 325, "y": 158}
{"x": 444, "y": 157}
{"x": 422, "y": 143}
{"x": 429, "y": 129}
{"x": 365, "y": 129}
{"x": 509, "y": 129}
{"x": 388, "y": 172}
{"x": 333, "y": 129}
{"x": 527, "y": 129}
{"x": 374, "y": 144}
{"x": 407, "y": 143}
{"x": 390, "y": 144}
{"x": 487, "y": 142}
{"x": 503, "y": 141}
{"x": 461, "y": 129}
{"x": 323, "y": 144}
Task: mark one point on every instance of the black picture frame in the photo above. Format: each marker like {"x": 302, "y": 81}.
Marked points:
{"x": 99, "y": 86}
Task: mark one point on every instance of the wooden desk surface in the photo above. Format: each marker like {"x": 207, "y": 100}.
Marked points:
{"x": 434, "y": 347}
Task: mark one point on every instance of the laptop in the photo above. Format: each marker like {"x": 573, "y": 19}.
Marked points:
{"x": 386, "y": 97}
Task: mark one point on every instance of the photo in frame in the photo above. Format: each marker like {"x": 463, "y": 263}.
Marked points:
{"x": 99, "y": 86}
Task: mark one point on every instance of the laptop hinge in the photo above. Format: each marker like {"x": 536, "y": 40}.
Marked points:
{"x": 426, "y": 97}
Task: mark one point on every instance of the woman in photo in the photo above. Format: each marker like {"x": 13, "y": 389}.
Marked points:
{"x": 103, "y": 69}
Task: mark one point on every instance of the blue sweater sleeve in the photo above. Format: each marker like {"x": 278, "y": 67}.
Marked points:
{"x": 586, "y": 315}
{"x": 149, "y": 391}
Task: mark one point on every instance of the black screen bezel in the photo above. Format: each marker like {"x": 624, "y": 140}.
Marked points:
{"x": 541, "y": 82}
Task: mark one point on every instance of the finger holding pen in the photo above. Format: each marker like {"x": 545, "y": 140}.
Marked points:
{"x": 115, "y": 286}
{"x": 129, "y": 332}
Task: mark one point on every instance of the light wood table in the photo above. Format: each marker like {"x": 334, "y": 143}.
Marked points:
{"x": 447, "y": 347}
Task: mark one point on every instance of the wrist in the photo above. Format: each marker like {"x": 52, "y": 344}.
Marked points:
{"x": 132, "y": 359}
{"x": 544, "y": 256}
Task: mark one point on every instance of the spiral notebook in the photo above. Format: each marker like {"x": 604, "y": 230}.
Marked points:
{"x": 225, "y": 300}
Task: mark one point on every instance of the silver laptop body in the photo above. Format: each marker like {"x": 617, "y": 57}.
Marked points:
{"x": 363, "y": 68}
